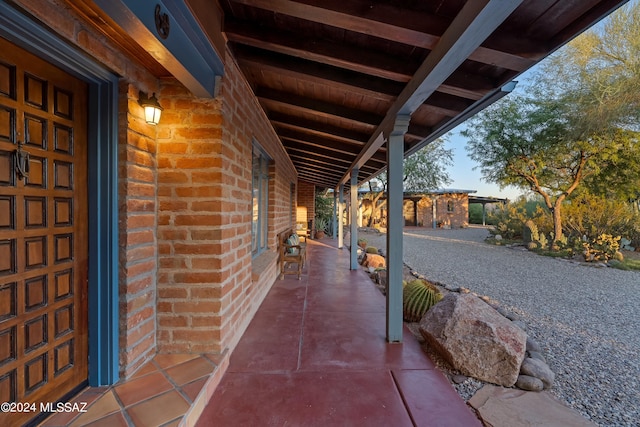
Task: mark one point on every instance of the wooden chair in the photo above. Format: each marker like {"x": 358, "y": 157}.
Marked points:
{"x": 292, "y": 251}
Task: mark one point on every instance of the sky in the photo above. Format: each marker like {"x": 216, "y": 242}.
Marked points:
{"x": 465, "y": 174}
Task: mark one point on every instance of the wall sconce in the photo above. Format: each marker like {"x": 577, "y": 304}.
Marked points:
{"x": 152, "y": 108}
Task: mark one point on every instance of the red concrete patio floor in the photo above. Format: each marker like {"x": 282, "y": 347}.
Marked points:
{"x": 315, "y": 355}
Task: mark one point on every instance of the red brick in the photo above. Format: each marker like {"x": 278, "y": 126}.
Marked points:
{"x": 196, "y": 307}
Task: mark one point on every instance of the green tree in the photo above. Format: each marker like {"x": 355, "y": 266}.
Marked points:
{"x": 578, "y": 125}
{"x": 532, "y": 145}
{"x": 600, "y": 90}
{"x": 425, "y": 170}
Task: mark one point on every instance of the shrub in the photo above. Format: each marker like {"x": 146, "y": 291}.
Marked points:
{"x": 602, "y": 248}
{"x": 419, "y": 296}
{"x": 592, "y": 216}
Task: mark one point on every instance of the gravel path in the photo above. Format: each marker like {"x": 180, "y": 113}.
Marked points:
{"x": 586, "y": 318}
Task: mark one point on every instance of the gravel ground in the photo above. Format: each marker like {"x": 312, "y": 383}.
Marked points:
{"x": 586, "y": 318}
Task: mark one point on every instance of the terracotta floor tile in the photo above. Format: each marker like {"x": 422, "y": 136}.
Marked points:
{"x": 139, "y": 389}
{"x": 193, "y": 388}
{"x": 158, "y": 410}
{"x": 168, "y": 360}
{"x": 105, "y": 405}
{"x": 191, "y": 370}
{"x": 88, "y": 396}
{"x": 145, "y": 369}
{"x": 306, "y": 399}
{"x": 174, "y": 423}
{"x": 217, "y": 358}
{"x": 113, "y": 420}
{"x": 432, "y": 401}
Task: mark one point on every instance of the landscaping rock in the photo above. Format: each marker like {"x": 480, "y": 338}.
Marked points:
{"x": 475, "y": 339}
{"x": 537, "y": 355}
{"x": 533, "y": 345}
{"x": 526, "y": 382}
{"x": 520, "y": 324}
{"x": 375, "y": 261}
{"x": 539, "y": 369}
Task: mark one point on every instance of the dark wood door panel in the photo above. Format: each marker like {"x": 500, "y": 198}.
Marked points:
{"x": 43, "y": 231}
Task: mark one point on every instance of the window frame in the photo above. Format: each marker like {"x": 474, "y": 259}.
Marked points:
{"x": 259, "y": 200}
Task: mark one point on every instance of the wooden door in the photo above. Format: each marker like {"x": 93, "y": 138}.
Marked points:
{"x": 43, "y": 232}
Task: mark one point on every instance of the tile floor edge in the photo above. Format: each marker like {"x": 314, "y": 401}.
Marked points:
{"x": 190, "y": 418}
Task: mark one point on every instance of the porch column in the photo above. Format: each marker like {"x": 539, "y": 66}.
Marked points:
{"x": 341, "y": 217}
{"x": 334, "y": 216}
{"x": 395, "y": 157}
{"x": 354, "y": 219}
{"x": 484, "y": 214}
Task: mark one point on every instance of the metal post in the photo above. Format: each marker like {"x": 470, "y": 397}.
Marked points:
{"x": 334, "y": 216}
{"x": 395, "y": 157}
{"x": 341, "y": 218}
{"x": 354, "y": 219}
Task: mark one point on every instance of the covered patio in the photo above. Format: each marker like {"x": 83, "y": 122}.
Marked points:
{"x": 315, "y": 354}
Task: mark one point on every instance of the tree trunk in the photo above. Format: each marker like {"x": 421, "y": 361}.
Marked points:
{"x": 557, "y": 223}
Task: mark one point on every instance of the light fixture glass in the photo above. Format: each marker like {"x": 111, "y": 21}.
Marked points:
{"x": 152, "y": 108}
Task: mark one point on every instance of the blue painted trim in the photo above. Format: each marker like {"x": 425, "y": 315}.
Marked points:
{"x": 186, "y": 41}
{"x": 19, "y": 28}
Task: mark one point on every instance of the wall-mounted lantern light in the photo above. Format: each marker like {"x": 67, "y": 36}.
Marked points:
{"x": 152, "y": 108}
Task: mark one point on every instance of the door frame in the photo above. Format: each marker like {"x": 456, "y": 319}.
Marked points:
{"x": 18, "y": 27}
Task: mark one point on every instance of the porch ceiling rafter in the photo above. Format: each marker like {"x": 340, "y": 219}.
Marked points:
{"x": 475, "y": 22}
{"x": 345, "y": 69}
{"x": 338, "y": 73}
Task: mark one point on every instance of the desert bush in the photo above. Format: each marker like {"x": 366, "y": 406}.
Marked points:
{"x": 602, "y": 248}
{"x": 510, "y": 219}
{"x": 592, "y": 216}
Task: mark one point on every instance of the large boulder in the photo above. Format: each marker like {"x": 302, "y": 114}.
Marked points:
{"x": 475, "y": 339}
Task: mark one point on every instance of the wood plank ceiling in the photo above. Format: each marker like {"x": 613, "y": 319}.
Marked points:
{"x": 331, "y": 75}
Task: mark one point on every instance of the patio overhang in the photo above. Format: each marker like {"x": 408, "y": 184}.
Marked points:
{"x": 331, "y": 76}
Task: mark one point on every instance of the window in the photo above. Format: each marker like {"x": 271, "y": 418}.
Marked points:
{"x": 450, "y": 206}
{"x": 260, "y": 193}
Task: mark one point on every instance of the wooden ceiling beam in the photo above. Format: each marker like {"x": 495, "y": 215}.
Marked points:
{"x": 366, "y": 19}
{"x": 314, "y": 140}
{"x": 325, "y": 130}
{"x": 318, "y": 179}
{"x": 295, "y": 68}
{"x": 314, "y": 106}
{"x": 326, "y": 144}
{"x": 350, "y": 79}
{"x": 475, "y": 22}
{"x": 324, "y": 52}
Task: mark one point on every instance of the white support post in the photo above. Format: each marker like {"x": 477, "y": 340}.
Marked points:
{"x": 341, "y": 218}
{"x": 395, "y": 157}
{"x": 354, "y": 219}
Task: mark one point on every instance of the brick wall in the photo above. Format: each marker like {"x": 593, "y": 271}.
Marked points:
{"x": 307, "y": 198}
{"x": 457, "y": 218}
{"x": 206, "y": 295}
{"x": 137, "y": 219}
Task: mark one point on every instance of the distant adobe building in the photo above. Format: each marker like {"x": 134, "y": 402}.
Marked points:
{"x": 445, "y": 208}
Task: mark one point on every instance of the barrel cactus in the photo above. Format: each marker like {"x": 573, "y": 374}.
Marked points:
{"x": 418, "y": 297}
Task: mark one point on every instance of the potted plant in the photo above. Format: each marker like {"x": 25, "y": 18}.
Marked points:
{"x": 321, "y": 227}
